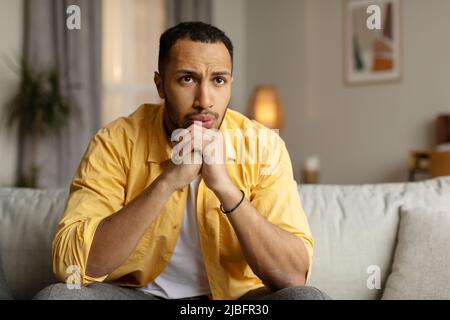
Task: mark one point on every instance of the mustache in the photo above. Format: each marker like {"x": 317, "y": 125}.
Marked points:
{"x": 214, "y": 114}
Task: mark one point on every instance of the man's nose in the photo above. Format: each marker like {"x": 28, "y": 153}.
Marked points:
{"x": 203, "y": 98}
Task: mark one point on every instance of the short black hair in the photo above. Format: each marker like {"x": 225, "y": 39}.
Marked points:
{"x": 194, "y": 30}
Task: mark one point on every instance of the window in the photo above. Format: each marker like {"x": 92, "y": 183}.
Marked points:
{"x": 131, "y": 30}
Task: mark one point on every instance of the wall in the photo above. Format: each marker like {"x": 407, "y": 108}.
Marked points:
{"x": 10, "y": 45}
{"x": 362, "y": 134}
{"x": 277, "y": 55}
{"x": 230, "y": 16}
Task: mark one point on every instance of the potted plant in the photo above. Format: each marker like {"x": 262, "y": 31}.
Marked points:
{"x": 39, "y": 109}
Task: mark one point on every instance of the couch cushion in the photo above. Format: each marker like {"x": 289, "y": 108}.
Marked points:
{"x": 5, "y": 293}
{"x": 355, "y": 229}
{"x": 422, "y": 257}
{"x": 28, "y": 221}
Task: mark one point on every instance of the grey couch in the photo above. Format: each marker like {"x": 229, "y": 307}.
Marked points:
{"x": 354, "y": 227}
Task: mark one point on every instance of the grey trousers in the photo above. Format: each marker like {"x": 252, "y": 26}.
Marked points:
{"x": 106, "y": 291}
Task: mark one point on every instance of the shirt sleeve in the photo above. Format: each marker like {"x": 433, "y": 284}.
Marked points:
{"x": 276, "y": 197}
{"x": 97, "y": 191}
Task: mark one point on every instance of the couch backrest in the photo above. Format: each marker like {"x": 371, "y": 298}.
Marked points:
{"x": 355, "y": 229}
{"x": 28, "y": 220}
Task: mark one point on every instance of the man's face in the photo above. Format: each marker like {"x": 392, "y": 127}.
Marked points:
{"x": 196, "y": 84}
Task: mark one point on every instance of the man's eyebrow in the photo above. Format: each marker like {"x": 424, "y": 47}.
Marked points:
{"x": 192, "y": 72}
{"x": 221, "y": 73}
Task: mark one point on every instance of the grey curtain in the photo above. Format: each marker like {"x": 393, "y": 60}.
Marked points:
{"x": 77, "y": 55}
{"x": 188, "y": 10}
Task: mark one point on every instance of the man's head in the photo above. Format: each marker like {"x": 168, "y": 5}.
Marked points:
{"x": 195, "y": 74}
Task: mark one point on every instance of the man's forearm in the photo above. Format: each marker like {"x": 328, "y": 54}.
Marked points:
{"x": 277, "y": 257}
{"x": 118, "y": 235}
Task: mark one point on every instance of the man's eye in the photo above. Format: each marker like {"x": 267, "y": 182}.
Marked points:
{"x": 186, "y": 79}
{"x": 220, "y": 80}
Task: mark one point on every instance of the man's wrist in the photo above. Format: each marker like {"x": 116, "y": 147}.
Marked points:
{"x": 228, "y": 195}
{"x": 224, "y": 187}
{"x": 165, "y": 183}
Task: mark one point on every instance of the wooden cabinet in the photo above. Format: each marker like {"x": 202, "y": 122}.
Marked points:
{"x": 439, "y": 163}
{"x": 426, "y": 164}
{"x": 419, "y": 163}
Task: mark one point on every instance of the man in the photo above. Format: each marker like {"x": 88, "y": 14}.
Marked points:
{"x": 140, "y": 225}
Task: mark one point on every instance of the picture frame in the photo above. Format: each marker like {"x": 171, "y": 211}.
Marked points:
{"x": 372, "y": 54}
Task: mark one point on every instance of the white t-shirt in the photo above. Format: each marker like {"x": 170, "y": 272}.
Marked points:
{"x": 185, "y": 275}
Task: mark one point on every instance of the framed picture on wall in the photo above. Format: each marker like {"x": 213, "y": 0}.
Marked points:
{"x": 373, "y": 43}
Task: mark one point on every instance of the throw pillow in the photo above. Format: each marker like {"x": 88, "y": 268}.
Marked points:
{"x": 420, "y": 269}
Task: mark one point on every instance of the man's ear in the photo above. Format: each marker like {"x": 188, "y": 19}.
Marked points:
{"x": 159, "y": 84}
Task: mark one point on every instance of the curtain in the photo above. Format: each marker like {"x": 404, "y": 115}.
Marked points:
{"x": 188, "y": 10}
{"x": 48, "y": 42}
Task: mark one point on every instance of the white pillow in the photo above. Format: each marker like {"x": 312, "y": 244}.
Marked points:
{"x": 421, "y": 267}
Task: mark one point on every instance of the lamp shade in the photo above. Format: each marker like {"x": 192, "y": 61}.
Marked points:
{"x": 266, "y": 108}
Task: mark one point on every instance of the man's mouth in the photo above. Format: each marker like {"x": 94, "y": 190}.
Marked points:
{"x": 206, "y": 120}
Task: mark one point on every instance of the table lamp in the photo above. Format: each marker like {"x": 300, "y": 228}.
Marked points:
{"x": 266, "y": 108}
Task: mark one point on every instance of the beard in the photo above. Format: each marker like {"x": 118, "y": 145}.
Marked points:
{"x": 174, "y": 120}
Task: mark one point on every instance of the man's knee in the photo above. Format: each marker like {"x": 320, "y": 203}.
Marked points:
{"x": 52, "y": 292}
{"x": 61, "y": 291}
{"x": 300, "y": 293}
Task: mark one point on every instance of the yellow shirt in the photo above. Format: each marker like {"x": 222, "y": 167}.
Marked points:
{"x": 125, "y": 157}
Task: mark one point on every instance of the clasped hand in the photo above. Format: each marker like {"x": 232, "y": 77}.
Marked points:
{"x": 197, "y": 150}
